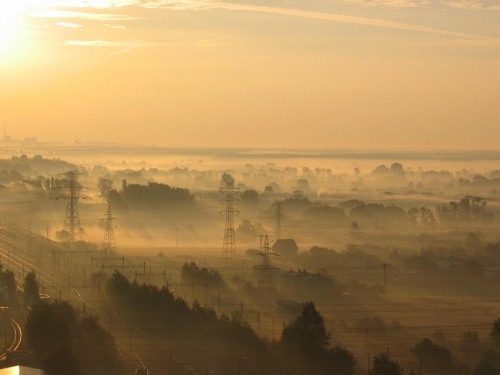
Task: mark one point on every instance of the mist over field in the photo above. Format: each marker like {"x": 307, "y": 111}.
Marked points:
{"x": 341, "y": 262}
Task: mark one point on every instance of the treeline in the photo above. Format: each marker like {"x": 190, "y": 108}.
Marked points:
{"x": 152, "y": 195}
{"x": 17, "y": 167}
{"x": 362, "y": 216}
{"x": 484, "y": 356}
{"x": 304, "y": 347}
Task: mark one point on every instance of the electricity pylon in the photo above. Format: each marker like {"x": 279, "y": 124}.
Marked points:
{"x": 266, "y": 271}
{"x": 109, "y": 243}
{"x": 229, "y": 201}
{"x": 71, "y": 192}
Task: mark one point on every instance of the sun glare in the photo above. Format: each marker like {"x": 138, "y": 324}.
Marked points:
{"x": 11, "y": 21}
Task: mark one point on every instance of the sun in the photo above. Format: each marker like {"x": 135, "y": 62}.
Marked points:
{"x": 11, "y": 21}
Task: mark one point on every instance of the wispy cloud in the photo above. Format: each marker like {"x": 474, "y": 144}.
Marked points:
{"x": 100, "y": 6}
{"x": 95, "y": 4}
{"x": 343, "y": 19}
{"x": 106, "y": 43}
{"x": 64, "y": 14}
{"x": 69, "y": 24}
{"x": 471, "y": 4}
{"x": 389, "y": 3}
{"x": 462, "y": 4}
{"x": 177, "y": 4}
{"x": 118, "y": 27}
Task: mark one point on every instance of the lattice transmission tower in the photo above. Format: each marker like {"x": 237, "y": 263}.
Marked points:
{"x": 229, "y": 201}
{"x": 266, "y": 271}
{"x": 70, "y": 191}
{"x": 109, "y": 242}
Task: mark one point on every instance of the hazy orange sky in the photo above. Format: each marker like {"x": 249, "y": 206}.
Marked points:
{"x": 398, "y": 74}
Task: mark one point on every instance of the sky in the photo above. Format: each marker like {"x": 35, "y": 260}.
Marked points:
{"x": 362, "y": 74}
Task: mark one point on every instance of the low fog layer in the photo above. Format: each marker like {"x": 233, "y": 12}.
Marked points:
{"x": 330, "y": 268}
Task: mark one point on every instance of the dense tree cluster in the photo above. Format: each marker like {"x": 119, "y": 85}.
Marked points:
{"x": 191, "y": 273}
{"x": 435, "y": 357}
{"x": 64, "y": 343}
{"x": 9, "y": 285}
{"x": 31, "y": 294}
{"x": 306, "y": 336}
{"x": 466, "y": 210}
{"x": 304, "y": 339}
{"x": 152, "y": 195}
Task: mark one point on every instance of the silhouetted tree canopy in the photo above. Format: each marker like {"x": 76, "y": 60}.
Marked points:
{"x": 8, "y": 282}
{"x": 152, "y": 195}
{"x": 246, "y": 228}
{"x": 435, "y": 357}
{"x": 467, "y": 209}
{"x": 31, "y": 294}
{"x": 307, "y": 332}
{"x": 250, "y": 197}
{"x": 191, "y": 273}
{"x": 65, "y": 345}
{"x": 383, "y": 365}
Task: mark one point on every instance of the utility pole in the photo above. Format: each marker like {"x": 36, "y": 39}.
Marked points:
{"x": 229, "y": 201}
{"x": 279, "y": 215}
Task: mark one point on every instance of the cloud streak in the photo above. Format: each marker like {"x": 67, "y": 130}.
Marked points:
{"x": 69, "y": 24}
{"x": 342, "y": 19}
{"x": 106, "y": 43}
{"x": 64, "y": 14}
{"x": 190, "y": 5}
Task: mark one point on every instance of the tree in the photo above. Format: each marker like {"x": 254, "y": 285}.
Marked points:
{"x": 48, "y": 335}
{"x": 62, "y": 235}
{"x": 342, "y": 360}
{"x": 8, "y": 281}
{"x": 105, "y": 186}
{"x": 250, "y": 197}
{"x": 489, "y": 363}
{"x": 307, "y": 332}
{"x": 246, "y": 228}
{"x": 31, "y": 294}
{"x": 118, "y": 286}
{"x": 397, "y": 169}
{"x": 485, "y": 368}
{"x": 470, "y": 341}
{"x": 495, "y": 332}
{"x": 226, "y": 179}
{"x": 383, "y": 365}
{"x": 435, "y": 357}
